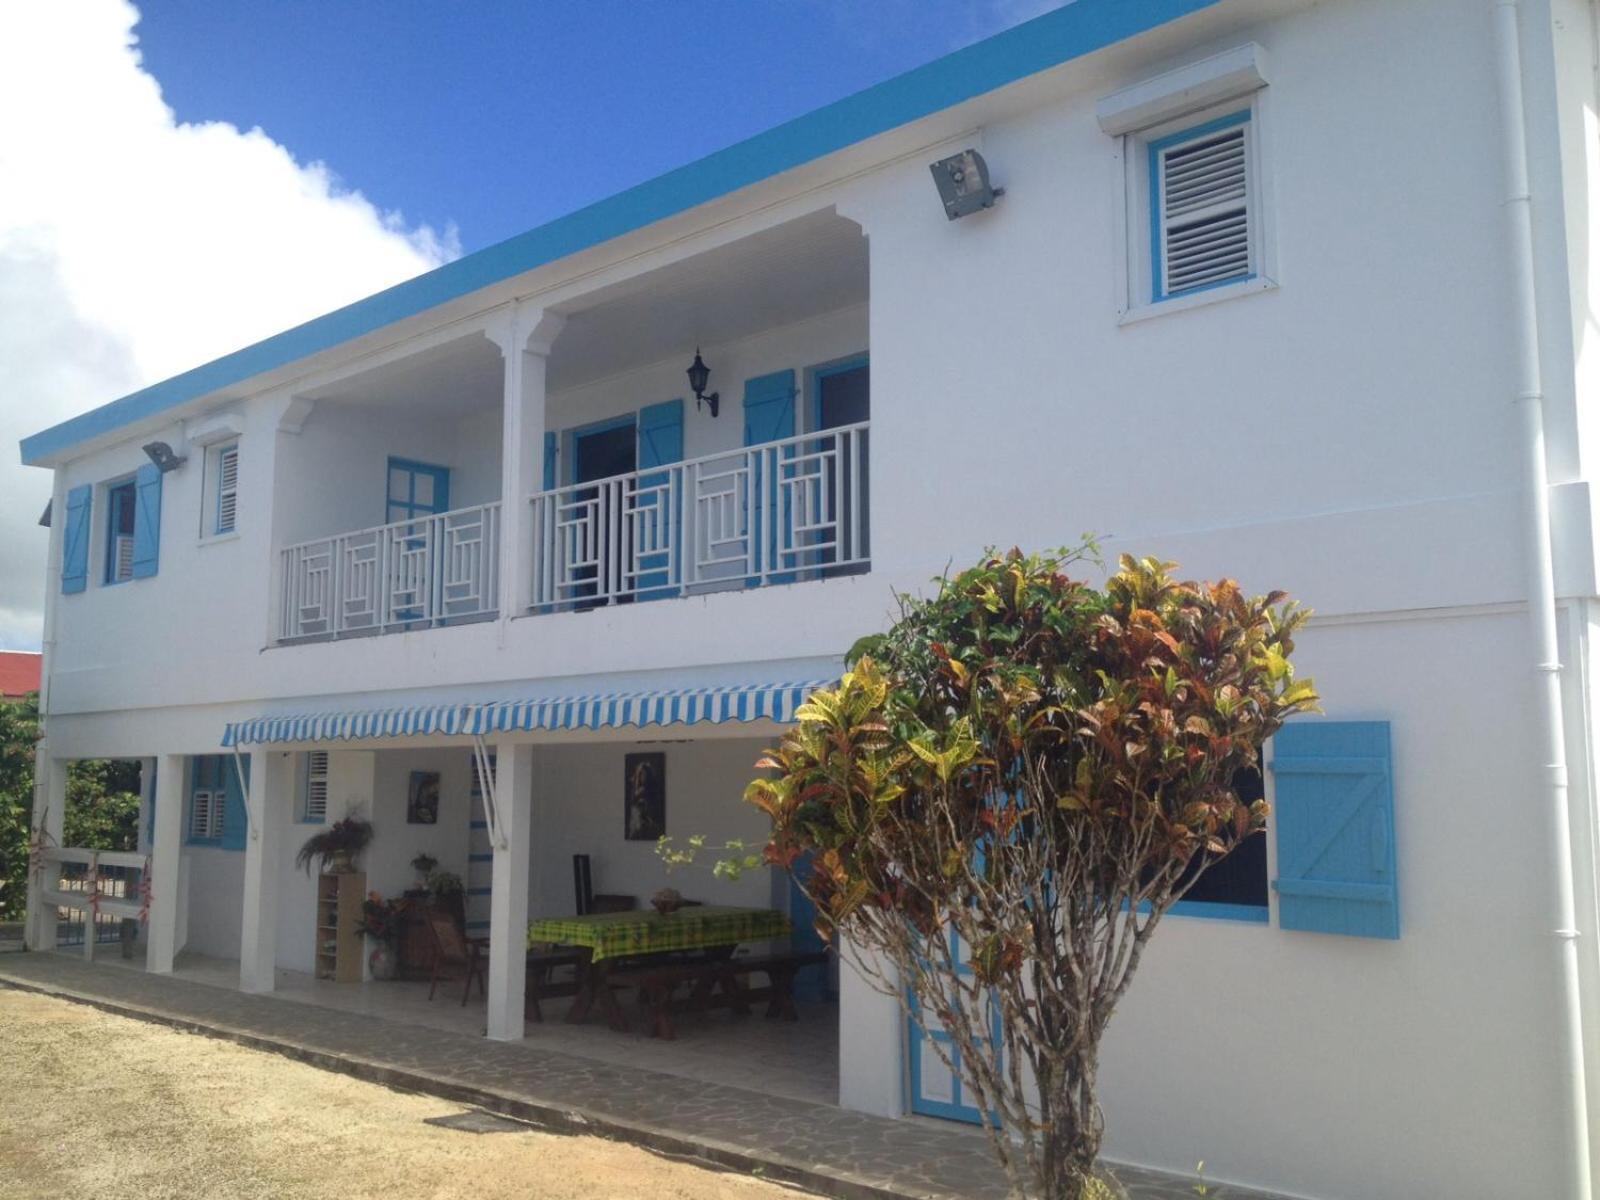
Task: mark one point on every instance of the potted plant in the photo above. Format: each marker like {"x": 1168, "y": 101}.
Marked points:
{"x": 423, "y": 864}
{"x": 334, "y": 849}
{"x": 381, "y": 921}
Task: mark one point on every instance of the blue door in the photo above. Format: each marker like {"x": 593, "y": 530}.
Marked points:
{"x": 936, "y": 1090}
{"x": 814, "y": 982}
{"x": 415, "y": 490}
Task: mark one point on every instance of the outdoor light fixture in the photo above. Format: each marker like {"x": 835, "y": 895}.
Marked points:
{"x": 963, "y": 181}
{"x": 699, "y": 376}
{"x": 165, "y": 460}
{"x": 44, "y": 517}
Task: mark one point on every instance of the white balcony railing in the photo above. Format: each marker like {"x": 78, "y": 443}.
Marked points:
{"x": 433, "y": 570}
{"x": 783, "y": 511}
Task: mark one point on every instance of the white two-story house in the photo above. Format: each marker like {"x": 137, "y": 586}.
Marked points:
{"x": 1301, "y": 293}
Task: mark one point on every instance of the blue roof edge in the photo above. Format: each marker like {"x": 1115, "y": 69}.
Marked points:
{"x": 1072, "y": 31}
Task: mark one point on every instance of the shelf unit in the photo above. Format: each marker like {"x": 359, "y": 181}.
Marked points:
{"x": 338, "y": 935}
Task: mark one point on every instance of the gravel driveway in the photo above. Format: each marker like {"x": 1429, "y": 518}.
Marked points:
{"x": 98, "y": 1105}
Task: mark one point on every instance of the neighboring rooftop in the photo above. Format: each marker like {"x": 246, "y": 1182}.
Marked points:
{"x": 1076, "y": 29}
{"x": 19, "y": 673}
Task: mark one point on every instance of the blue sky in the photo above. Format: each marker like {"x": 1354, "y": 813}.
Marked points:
{"x": 496, "y": 116}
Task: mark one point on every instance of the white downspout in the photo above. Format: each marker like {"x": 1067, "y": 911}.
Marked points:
{"x": 1540, "y": 584}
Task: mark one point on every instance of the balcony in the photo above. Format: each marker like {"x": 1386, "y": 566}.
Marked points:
{"x": 436, "y": 570}
{"x": 775, "y": 513}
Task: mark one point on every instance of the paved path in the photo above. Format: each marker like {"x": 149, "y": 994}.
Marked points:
{"x": 820, "y": 1147}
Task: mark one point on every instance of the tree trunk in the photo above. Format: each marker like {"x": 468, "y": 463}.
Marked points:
{"x": 1071, "y": 1136}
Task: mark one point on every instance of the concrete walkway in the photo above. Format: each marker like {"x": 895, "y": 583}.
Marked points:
{"x": 820, "y": 1147}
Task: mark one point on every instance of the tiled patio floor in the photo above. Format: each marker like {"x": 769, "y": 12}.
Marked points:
{"x": 816, "y": 1145}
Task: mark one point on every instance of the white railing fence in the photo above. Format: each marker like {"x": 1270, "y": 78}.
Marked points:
{"x": 431, "y": 570}
{"x": 774, "y": 513}
{"x": 92, "y": 889}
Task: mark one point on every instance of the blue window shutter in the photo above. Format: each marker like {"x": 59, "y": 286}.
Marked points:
{"x": 660, "y": 443}
{"x": 1334, "y": 814}
{"x": 549, "y": 459}
{"x": 768, "y": 408}
{"x": 768, "y": 417}
{"x": 146, "y": 521}
{"x": 75, "y": 541}
{"x": 233, "y": 814}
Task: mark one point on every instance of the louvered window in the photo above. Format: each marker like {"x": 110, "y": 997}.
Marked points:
{"x": 1201, "y": 207}
{"x": 207, "y": 797}
{"x": 227, "y": 488}
{"x": 315, "y": 807}
{"x": 119, "y": 533}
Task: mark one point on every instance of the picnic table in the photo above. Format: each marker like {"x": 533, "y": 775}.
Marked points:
{"x": 606, "y": 939}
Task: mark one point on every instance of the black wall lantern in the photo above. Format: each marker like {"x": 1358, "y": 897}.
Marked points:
{"x": 699, "y": 376}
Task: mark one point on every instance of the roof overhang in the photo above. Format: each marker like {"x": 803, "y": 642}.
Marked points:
{"x": 1070, "y": 32}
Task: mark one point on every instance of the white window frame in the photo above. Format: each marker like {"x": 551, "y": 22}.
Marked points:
{"x": 1135, "y": 284}
{"x": 316, "y": 768}
{"x": 104, "y": 572}
{"x": 205, "y": 816}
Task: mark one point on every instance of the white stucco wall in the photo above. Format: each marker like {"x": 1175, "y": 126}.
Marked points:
{"x": 1346, "y": 436}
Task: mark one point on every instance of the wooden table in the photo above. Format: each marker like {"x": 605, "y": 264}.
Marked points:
{"x": 608, "y": 938}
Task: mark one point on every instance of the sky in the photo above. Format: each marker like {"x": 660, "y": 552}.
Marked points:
{"x": 186, "y": 177}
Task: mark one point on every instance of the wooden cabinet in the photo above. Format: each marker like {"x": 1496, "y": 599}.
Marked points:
{"x": 417, "y": 947}
{"x": 339, "y": 939}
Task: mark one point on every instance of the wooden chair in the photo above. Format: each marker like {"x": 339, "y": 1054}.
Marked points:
{"x": 457, "y": 953}
{"x": 585, "y": 897}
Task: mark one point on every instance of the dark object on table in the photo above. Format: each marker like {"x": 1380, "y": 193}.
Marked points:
{"x": 454, "y": 953}
{"x": 587, "y": 901}
{"x": 667, "y": 901}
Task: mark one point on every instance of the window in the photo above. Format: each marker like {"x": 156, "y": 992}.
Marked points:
{"x": 227, "y": 474}
{"x": 1201, "y": 195}
{"x": 314, "y": 788}
{"x": 121, "y": 499}
{"x": 208, "y": 797}
{"x": 1235, "y": 887}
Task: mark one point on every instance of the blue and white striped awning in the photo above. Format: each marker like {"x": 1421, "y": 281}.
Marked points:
{"x": 606, "y": 710}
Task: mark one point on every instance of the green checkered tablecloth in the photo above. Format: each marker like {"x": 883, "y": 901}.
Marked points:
{"x": 696, "y": 928}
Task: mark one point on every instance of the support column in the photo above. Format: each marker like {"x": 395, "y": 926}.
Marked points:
{"x": 49, "y": 811}
{"x": 161, "y": 945}
{"x": 508, "y": 897}
{"x": 267, "y": 800}
{"x": 525, "y": 340}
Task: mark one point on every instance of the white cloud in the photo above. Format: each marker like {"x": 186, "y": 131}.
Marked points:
{"x": 133, "y": 246}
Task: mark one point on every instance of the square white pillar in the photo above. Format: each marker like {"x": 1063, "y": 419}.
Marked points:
{"x": 508, "y": 896}
{"x": 872, "y": 1040}
{"x": 525, "y": 341}
{"x": 267, "y": 801}
{"x": 166, "y": 846}
{"x": 49, "y": 813}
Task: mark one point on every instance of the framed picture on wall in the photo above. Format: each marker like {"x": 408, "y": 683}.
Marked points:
{"x": 644, "y": 797}
{"x": 422, "y": 798}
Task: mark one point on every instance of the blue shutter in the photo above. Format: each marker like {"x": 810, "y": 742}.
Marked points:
{"x": 75, "y": 541}
{"x": 660, "y": 443}
{"x": 936, "y": 1090}
{"x": 549, "y": 460}
{"x": 1334, "y": 814}
{"x": 146, "y": 521}
{"x": 768, "y": 417}
{"x": 234, "y": 822}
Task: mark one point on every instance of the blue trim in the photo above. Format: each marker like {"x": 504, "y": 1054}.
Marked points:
{"x": 479, "y": 825}
{"x": 818, "y": 374}
{"x": 1069, "y": 32}
{"x": 479, "y": 891}
{"x": 477, "y": 924}
{"x": 1251, "y": 914}
{"x": 1154, "y": 188}
{"x": 1209, "y": 910}
{"x": 480, "y": 857}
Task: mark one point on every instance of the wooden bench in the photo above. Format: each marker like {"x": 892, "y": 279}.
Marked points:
{"x": 540, "y": 987}
{"x": 715, "y": 983}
